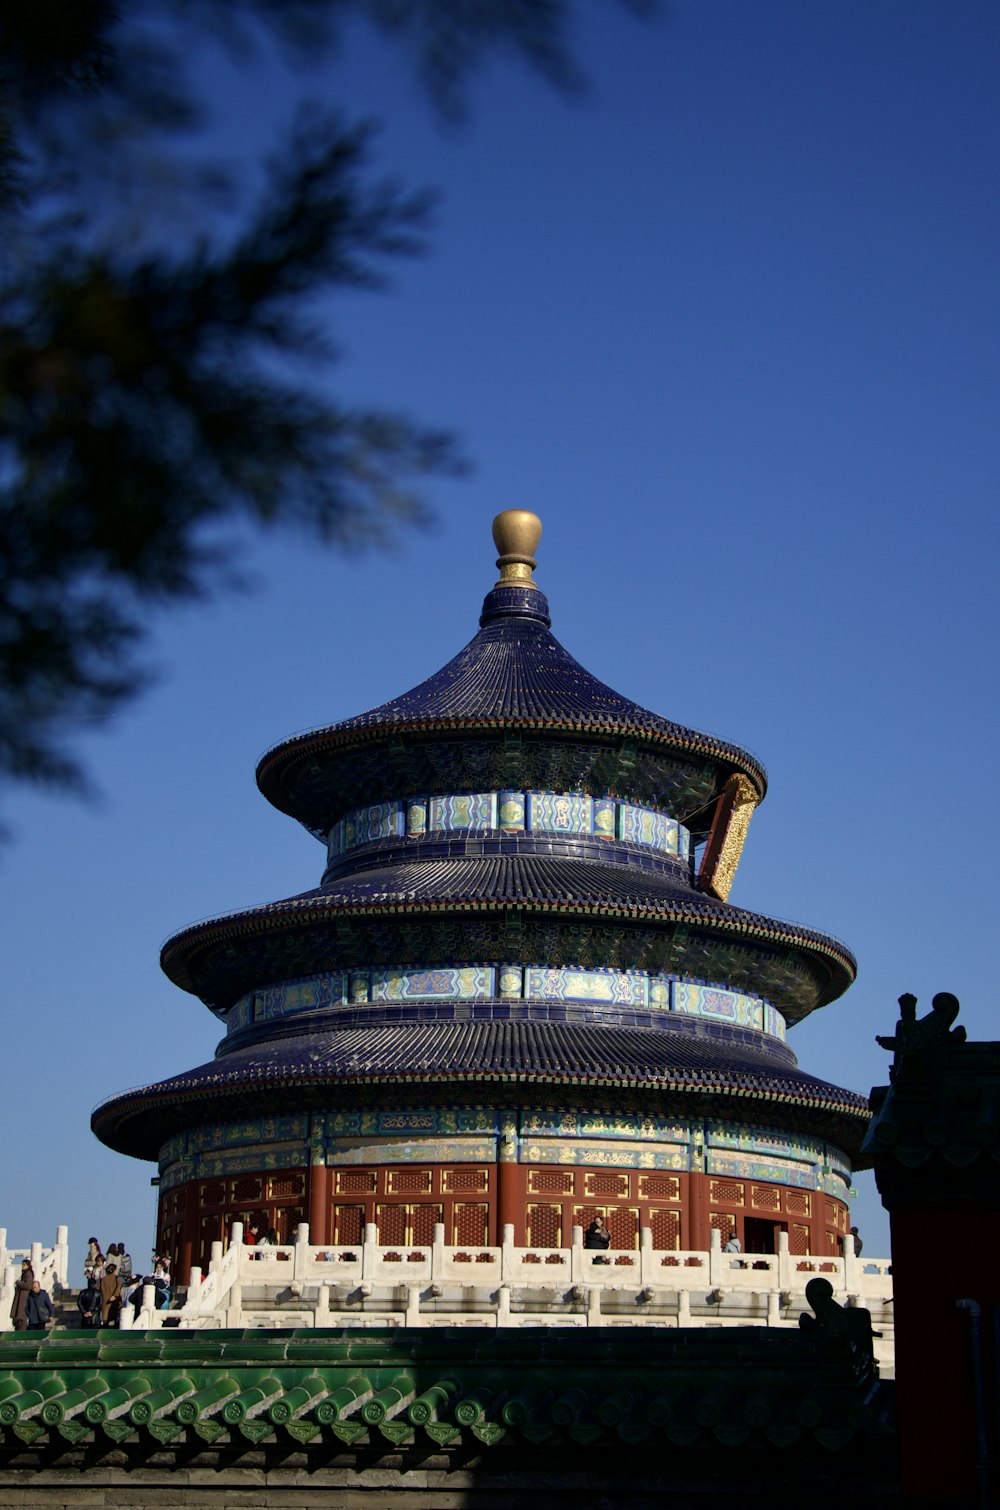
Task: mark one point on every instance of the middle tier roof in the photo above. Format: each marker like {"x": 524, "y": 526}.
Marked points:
{"x": 394, "y": 907}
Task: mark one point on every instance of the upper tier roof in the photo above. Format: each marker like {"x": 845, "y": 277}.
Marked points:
{"x": 513, "y": 675}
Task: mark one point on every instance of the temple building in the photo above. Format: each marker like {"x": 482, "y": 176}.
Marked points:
{"x": 518, "y": 996}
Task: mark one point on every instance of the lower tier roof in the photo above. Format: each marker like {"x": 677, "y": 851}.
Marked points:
{"x": 695, "y": 1073}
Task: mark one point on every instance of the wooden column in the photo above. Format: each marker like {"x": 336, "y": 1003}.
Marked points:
{"x": 191, "y": 1240}
{"x": 694, "y": 1229}
{"x": 319, "y": 1204}
{"x": 510, "y": 1203}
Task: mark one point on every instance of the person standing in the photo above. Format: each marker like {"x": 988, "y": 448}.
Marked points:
{"x": 111, "y": 1296}
{"x": 89, "y": 1302}
{"x": 858, "y": 1244}
{"x": 38, "y": 1309}
{"x": 597, "y": 1236}
{"x": 124, "y": 1265}
{"x": 94, "y": 1261}
{"x": 22, "y": 1289}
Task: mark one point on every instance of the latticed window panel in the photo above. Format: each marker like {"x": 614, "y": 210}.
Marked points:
{"x": 423, "y": 1217}
{"x": 408, "y": 1182}
{"x": 797, "y": 1202}
{"x": 623, "y": 1224}
{"x": 471, "y": 1223}
{"x": 550, "y": 1182}
{"x": 212, "y": 1193}
{"x": 730, "y": 1192}
{"x": 355, "y": 1182}
{"x": 666, "y": 1229}
{"x": 798, "y": 1238}
{"x": 285, "y": 1186}
{"x": 171, "y": 1203}
{"x": 467, "y": 1180}
{"x": 348, "y": 1224}
{"x": 246, "y": 1189}
{"x": 391, "y": 1222}
{"x": 584, "y": 1215}
{"x": 286, "y": 1221}
{"x": 606, "y": 1184}
{"x": 765, "y": 1197}
{"x": 544, "y": 1226}
{"x": 211, "y": 1231}
{"x": 722, "y": 1222}
{"x": 170, "y": 1243}
{"x": 836, "y": 1215}
{"x": 660, "y": 1187}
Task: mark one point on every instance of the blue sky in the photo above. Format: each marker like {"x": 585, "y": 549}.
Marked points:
{"x": 729, "y": 324}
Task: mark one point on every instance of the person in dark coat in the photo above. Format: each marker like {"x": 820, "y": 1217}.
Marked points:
{"x": 89, "y": 1301}
{"x": 597, "y": 1236}
{"x": 22, "y": 1289}
{"x": 38, "y": 1308}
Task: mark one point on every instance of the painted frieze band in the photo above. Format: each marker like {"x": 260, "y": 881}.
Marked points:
{"x": 471, "y": 1134}
{"x": 511, "y": 812}
{"x": 612, "y": 988}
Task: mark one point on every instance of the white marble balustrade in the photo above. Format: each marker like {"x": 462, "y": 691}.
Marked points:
{"x": 50, "y": 1265}
{"x": 370, "y": 1284}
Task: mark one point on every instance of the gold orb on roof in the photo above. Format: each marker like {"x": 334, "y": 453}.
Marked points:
{"x": 516, "y": 533}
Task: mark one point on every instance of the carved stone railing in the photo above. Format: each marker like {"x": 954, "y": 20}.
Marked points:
{"x": 369, "y": 1283}
{"x": 50, "y": 1265}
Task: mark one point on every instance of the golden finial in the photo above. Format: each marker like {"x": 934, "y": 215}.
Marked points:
{"x": 516, "y": 533}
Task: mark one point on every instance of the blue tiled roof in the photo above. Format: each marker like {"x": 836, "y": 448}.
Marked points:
{"x": 440, "y": 1053}
{"x": 480, "y": 883}
{"x": 513, "y": 673}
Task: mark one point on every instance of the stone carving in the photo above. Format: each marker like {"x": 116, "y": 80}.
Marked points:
{"x": 845, "y": 1331}
{"x": 917, "y": 1040}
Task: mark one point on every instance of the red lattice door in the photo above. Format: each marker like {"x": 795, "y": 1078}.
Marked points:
{"x": 666, "y": 1228}
{"x": 544, "y": 1226}
{"x": 348, "y": 1225}
{"x": 623, "y": 1224}
{"x": 470, "y": 1223}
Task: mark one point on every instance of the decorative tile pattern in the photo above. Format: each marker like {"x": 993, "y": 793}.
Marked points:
{"x": 465, "y": 810}
{"x": 774, "y": 1023}
{"x": 624, "y": 988}
{"x": 383, "y": 820}
{"x": 640, "y": 825}
{"x": 542, "y": 1122}
{"x": 510, "y": 980}
{"x": 512, "y": 810}
{"x": 713, "y": 1002}
{"x": 308, "y": 994}
{"x": 632, "y": 989}
{"x": 433, "y": 1119}
{"x": 416, "y": 817}
{"x": 605, "y": 819}
{"x": 577, "y": 1154}
{"x": 459, "y": 984}
{"x": 565, "y": 813}
{"x": 777, "y": 1171}
{"x": 418, "y": 1151}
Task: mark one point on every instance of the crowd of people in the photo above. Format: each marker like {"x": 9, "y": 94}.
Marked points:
{"x": 109, "y": 1284}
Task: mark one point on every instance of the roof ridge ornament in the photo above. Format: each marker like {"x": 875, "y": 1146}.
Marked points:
{"x": 516, "y": 533}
